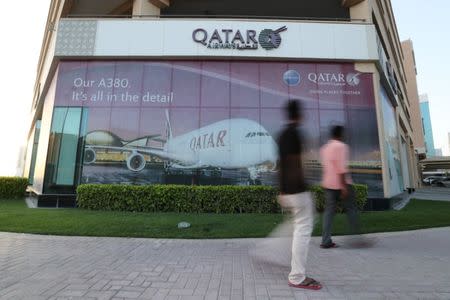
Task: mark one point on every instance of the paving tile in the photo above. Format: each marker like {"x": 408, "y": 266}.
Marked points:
{"x": 400, "y": 266}
{"x": 128, "y": 294}
{"x": 101, "y": 295}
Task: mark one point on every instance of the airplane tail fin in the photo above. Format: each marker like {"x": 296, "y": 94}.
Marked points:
{"x": 169, "y": 127}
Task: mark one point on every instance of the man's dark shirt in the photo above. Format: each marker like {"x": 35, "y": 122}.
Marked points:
{"x": 291, "y": 171}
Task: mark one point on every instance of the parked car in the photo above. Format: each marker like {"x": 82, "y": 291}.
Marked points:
{"x": 432, "y": 179}
{"x": 442, "y": 182}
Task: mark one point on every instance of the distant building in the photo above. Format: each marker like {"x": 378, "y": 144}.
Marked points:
{"x": 409, "y": 62}
{"x": 418, "y": 136}
{"x": 426, "y": 123}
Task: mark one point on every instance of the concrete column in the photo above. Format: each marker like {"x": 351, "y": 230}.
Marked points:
{"x": 371, "y": 68}
{"x": 145, "y": 8}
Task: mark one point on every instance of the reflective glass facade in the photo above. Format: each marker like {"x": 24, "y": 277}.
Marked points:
{"x": 392, "y": 146}
{"x": 427, "y": 128}
{"x": 64, "y": 155}
{"x": 37, "y": 130}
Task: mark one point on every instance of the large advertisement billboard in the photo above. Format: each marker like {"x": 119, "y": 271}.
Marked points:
{"x": 214, "y": 122}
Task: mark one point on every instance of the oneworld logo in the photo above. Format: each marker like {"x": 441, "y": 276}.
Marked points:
{"x": 291, "y": 78}
{"x": 236, "y": 39}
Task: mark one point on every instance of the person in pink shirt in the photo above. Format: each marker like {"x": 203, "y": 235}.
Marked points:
{"x": 336, "y": 182}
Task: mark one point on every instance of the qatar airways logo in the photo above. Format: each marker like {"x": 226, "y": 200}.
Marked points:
{"x": 241, "y": 40}
{"x": 335, "y": 79}
{"x": 208, "y": 140}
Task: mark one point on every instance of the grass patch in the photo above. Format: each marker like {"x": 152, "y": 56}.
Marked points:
{"x": 418, "y": 214}
{"x": 16, "y": 217}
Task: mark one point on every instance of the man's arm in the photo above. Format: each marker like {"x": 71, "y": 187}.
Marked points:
{"x": 344, "y": 190}
{"x": 343, "y": 170}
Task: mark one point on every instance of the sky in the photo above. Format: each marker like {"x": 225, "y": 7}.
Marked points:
{"x": 22, "y": 31}
{"x": 425, "y": 22}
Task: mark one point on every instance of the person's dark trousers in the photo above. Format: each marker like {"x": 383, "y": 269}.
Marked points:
{"x": 331, "y": 198}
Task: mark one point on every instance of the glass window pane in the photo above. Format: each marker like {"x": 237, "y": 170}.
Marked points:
{"x": 215, "y": 84}
{"x": 274, "y": 92}
{"x": 244, "y": 84}
{"x": 186, "y": 84}
{"x": 300, "y": 87}
{"x": 328, "y": 119}
{"x": 63, "y": 147}
{"x": 34, "y": 151}
{"x": 68, "y": 151}
{"x": 156, "y": 82}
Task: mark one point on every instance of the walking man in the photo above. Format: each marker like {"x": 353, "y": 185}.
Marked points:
{"x": 336, "y": 182}
{"x": 295, "y": 198}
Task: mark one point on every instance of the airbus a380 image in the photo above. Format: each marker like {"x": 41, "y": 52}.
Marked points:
{"x": 227, "y": 144}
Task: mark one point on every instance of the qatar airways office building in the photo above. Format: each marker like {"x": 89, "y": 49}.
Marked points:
{"x": 192, "y": 92}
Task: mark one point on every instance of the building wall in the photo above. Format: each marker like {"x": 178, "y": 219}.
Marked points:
{"x": 413, "y": 94}
{"x": 119, "y": 38}
{"x": 44, "y": 136}
{"x": 393, "y": 81}
{"x": 28, "y": 155}
{"x": 418, "y": 140}
{"x": 313, "y": 41}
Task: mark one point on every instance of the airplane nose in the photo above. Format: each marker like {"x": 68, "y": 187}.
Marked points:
{"x": 273, "y": 152}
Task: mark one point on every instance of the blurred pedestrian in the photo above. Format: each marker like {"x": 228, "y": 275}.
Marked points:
{"x": 295, "y": 197}
{"x": 336, "y": 182}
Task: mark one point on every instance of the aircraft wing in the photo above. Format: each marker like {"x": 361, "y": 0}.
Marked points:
{"x": 185, "y": 160}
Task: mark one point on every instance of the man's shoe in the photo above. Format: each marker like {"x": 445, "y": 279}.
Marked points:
{"x": 308, "y": 283}
{"x": 332, "y": 245}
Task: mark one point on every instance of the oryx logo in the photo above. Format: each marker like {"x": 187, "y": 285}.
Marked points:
{"x": 271, "y": 39}
{"x": 353, "y": 79}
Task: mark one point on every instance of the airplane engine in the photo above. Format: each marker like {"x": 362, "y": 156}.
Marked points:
{"x": 89, "y": 156}
{"x": 136, "y": 162}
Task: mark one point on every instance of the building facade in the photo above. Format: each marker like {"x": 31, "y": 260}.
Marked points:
{"x": 191, "y": 92}
{"x": 418, "y": 136}
{"x": 427, "y": 126}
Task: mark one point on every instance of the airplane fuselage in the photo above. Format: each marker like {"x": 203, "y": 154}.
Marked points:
{"x": 227, "y": 144}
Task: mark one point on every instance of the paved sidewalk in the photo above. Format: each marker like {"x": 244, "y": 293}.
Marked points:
{"x": 411, "y": 265}
{"x": 432, "y": 193}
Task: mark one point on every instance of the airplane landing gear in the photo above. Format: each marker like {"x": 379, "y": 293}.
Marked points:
{"x": 254, "y": 176}
{"x": 254, "y": 182}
